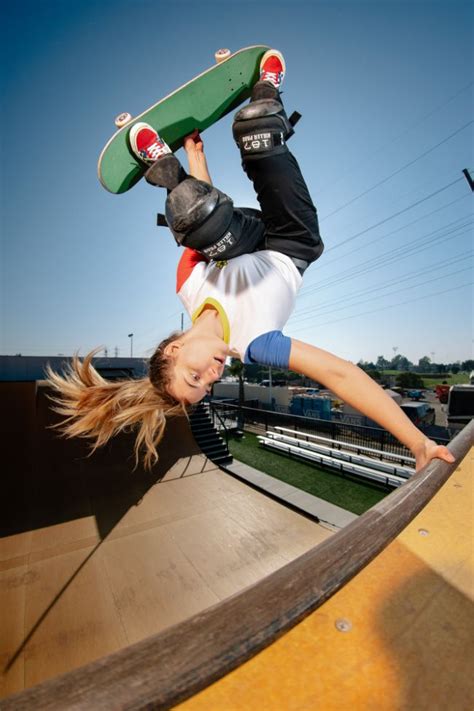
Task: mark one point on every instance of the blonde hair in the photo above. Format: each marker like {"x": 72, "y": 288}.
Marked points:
{"x": 98, "y": 409}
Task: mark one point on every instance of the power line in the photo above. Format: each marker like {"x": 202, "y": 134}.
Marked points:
{"x": 415, "y": 247}
{"x": 390, "y": 259}
{"x": 392, "y": 306}
{"x": 389, "y": 293}
{"x": 325, "y": 262}
{"x": 315, "y": 308}
{"x": 399, "y": 252}
{"x": 396, "y": 214}
{"x": 407, "y": 165}
{"x": 397, "y": 280}
{"x": 400, "y": 135}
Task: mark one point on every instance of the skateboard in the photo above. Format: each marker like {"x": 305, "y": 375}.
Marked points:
{"x": 196, "y": 105}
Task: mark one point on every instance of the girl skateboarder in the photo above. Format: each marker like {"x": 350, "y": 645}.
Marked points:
{"x": 238, "y": 278}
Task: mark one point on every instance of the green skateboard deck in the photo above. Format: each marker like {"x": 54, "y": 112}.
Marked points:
{"x": 195, "y": 105}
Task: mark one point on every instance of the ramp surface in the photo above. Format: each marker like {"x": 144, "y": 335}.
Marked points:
{"x": 398, "y": 637}
{"x": 95, "y": 556}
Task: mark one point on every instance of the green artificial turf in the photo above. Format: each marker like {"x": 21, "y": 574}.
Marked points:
{"x": 351, "y": 495}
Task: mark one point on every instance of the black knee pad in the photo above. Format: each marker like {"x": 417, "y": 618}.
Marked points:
{"x": 262, "y": 128}
{"x": 199, "y": 216}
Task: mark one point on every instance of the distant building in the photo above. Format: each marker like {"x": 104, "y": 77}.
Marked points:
{"x": 28, "y": 368}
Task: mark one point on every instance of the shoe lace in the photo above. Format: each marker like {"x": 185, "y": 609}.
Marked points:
{"x": 274, "y": 77}
{"x": 155, "y": 149}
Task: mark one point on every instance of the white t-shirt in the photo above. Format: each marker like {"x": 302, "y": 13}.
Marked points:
{"x": 254, "y": 294}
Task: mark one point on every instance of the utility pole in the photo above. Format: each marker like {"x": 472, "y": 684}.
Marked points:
{"x": 182, "y": 321}
{"x": 470, "y": 181}
{"x": 130, "y": 335}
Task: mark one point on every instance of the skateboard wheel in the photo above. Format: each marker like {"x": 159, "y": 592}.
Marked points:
{"x": 222, "y": 54}
{"x": 122, "y": 119}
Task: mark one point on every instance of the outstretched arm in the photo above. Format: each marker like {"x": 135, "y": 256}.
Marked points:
{"x": 353, "y": 386}
{"x": 194, "y": 147}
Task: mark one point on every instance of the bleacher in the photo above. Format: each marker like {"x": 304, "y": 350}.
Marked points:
{"x": 365, "y": 462}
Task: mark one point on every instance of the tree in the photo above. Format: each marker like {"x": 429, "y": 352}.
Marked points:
{"x": 382, "y": 363}
{"x": 400, "y": 362}
{"x": 374, "y": 374}
{"x": 424, "y": 365}
{"x": 409, "y": 380}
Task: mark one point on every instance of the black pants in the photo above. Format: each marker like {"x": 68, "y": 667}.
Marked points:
{"x": 288, "y": 221}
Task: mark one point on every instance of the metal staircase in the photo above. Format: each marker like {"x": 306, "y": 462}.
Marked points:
{"x": 208, "y": 436}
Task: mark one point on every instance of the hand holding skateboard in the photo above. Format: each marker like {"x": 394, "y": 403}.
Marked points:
{"x": 194, "y": 143}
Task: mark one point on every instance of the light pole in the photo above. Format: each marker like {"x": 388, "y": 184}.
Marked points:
{"x": 130, "y": 335}
{"x": 395, "y": 349}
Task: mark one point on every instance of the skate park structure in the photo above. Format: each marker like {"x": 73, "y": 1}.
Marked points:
{"x": 187, "y": 588}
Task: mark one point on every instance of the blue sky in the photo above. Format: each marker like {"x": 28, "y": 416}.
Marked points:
{"x": 386, "y": 93}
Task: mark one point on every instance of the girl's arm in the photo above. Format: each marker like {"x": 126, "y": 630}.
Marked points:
{"x": 352, "y": 385}
{"x": 194, "y": 147}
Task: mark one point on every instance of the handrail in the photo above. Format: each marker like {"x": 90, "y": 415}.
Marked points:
{"x": 173, "y": 665}
{"x": 386, "y": 441}
{"x": 216, "y": 414}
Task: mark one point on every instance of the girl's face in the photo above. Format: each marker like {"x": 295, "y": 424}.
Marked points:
{"x": 197, "y": 364}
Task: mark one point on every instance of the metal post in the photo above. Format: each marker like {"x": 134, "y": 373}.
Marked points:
{"x": 130, "y": 335}
{"x": 270, "y": 384}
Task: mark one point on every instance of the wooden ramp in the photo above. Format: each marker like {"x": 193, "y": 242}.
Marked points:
{"x": 398, "y": 637}
{"x": 378, "y": 615}
{"x": 95, "y": 556}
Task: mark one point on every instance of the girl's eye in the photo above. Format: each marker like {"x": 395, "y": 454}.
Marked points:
{"x": 195, "y": 377}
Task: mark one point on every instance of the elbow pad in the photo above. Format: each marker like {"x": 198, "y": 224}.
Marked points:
{"x": 272, "y": 348}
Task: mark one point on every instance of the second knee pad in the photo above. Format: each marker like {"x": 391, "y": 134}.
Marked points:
{"x": 262, "y": 128}
{"x": 199, "y": 216}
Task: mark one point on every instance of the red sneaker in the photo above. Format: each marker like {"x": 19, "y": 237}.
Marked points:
{"x": 146, "y": 143}
{"x": 272, "y": 68}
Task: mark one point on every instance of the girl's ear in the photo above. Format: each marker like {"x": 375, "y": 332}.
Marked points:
{"x": 172, "y": 349}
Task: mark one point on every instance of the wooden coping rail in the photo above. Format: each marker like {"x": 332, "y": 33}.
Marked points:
{"x": 171, "y": 666}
